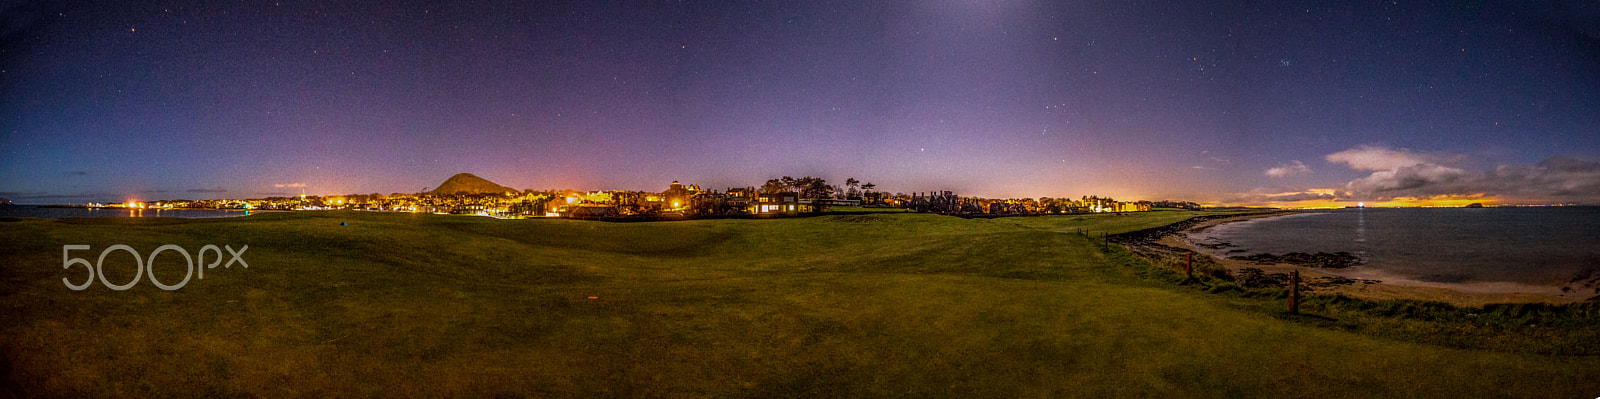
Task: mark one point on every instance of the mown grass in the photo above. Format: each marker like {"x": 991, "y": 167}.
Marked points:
{"x": 844, "y": 305}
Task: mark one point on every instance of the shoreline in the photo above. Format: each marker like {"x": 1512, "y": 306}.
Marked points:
{"x": 48, "y": 212}
{"x": 1375, "y": 284}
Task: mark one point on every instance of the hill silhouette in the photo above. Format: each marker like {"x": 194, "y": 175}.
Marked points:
{"x": 467, "y": 183}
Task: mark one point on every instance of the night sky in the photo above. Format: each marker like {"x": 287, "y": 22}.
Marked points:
{"x": 1272, "y": 102}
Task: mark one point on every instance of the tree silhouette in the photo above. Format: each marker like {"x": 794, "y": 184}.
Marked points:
{"x": 791, "y": 183}
{"x": 774, "y": 186}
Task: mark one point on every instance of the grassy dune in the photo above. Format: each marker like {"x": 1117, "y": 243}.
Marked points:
{"x": 834, "y": 306}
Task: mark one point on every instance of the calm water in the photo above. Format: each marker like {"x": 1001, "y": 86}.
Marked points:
{"x": 1523, "y": 245}
{"x": 29, "y": 211}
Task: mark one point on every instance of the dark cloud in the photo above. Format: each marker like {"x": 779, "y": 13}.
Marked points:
{"x": 1262, "y": 195}
{"x": 207, "y": 190}
{"x": 1407, "y": 178}
{"x": 77, "y": 173}
{"x": 1404, "y": 174}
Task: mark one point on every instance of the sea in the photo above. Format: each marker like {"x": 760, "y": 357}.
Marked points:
{"x": 1541, "y": 246}
{"x": 34, "y": 211}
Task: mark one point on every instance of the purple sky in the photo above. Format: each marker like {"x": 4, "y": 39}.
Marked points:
{"x": 1262, "y": 103}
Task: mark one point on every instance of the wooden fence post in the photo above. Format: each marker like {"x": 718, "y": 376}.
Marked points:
{"x": 1188, "y": 265}
{"x": 1294, "y": 292}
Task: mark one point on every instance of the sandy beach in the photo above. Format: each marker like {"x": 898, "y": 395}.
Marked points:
{"x": 1375, "y": 284}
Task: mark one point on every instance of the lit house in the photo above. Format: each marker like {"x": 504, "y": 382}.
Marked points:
{"x": 777, "y": 203}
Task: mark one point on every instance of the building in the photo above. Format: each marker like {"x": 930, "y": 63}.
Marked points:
{"x": 741, "y": 198}
{"x": 677, "y": 196}
{"x": 777, "y": 203}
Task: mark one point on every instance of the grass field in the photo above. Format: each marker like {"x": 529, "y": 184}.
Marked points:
{"x": 849, "y": 305}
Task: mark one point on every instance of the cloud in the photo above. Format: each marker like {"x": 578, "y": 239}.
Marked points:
{"x": 1263, "y": 195}
{"x": 208, "y": 190}
{"x": 1410, "y": 177}
{"x": 289, "y": 185}
{"x": 1556, "y": 177}
{"x": 1305, "y": 196}
{"x": 1293, "y": 168}
{"x": 1378, "y": 158}
{"x": 77, "y": 173}
{"x": 1401, "y": 173}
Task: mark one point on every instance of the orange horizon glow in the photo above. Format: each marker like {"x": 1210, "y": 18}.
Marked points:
{"x": 1397, "y": 202}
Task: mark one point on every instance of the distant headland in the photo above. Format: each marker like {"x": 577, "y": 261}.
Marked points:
{"x": 467, "y": 183}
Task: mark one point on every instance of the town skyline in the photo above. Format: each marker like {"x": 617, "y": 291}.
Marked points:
{"x": 1576, "y": 172}
{"x": 1290, "y": 104}
{"x": 467, "y": 184}
{"x": 850, "y": 188}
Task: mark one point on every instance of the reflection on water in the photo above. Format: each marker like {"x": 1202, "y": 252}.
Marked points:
{"x": 1361, "y": 234}
{"x": 52, "y": 212}
{"x": 1361, "y": 225}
